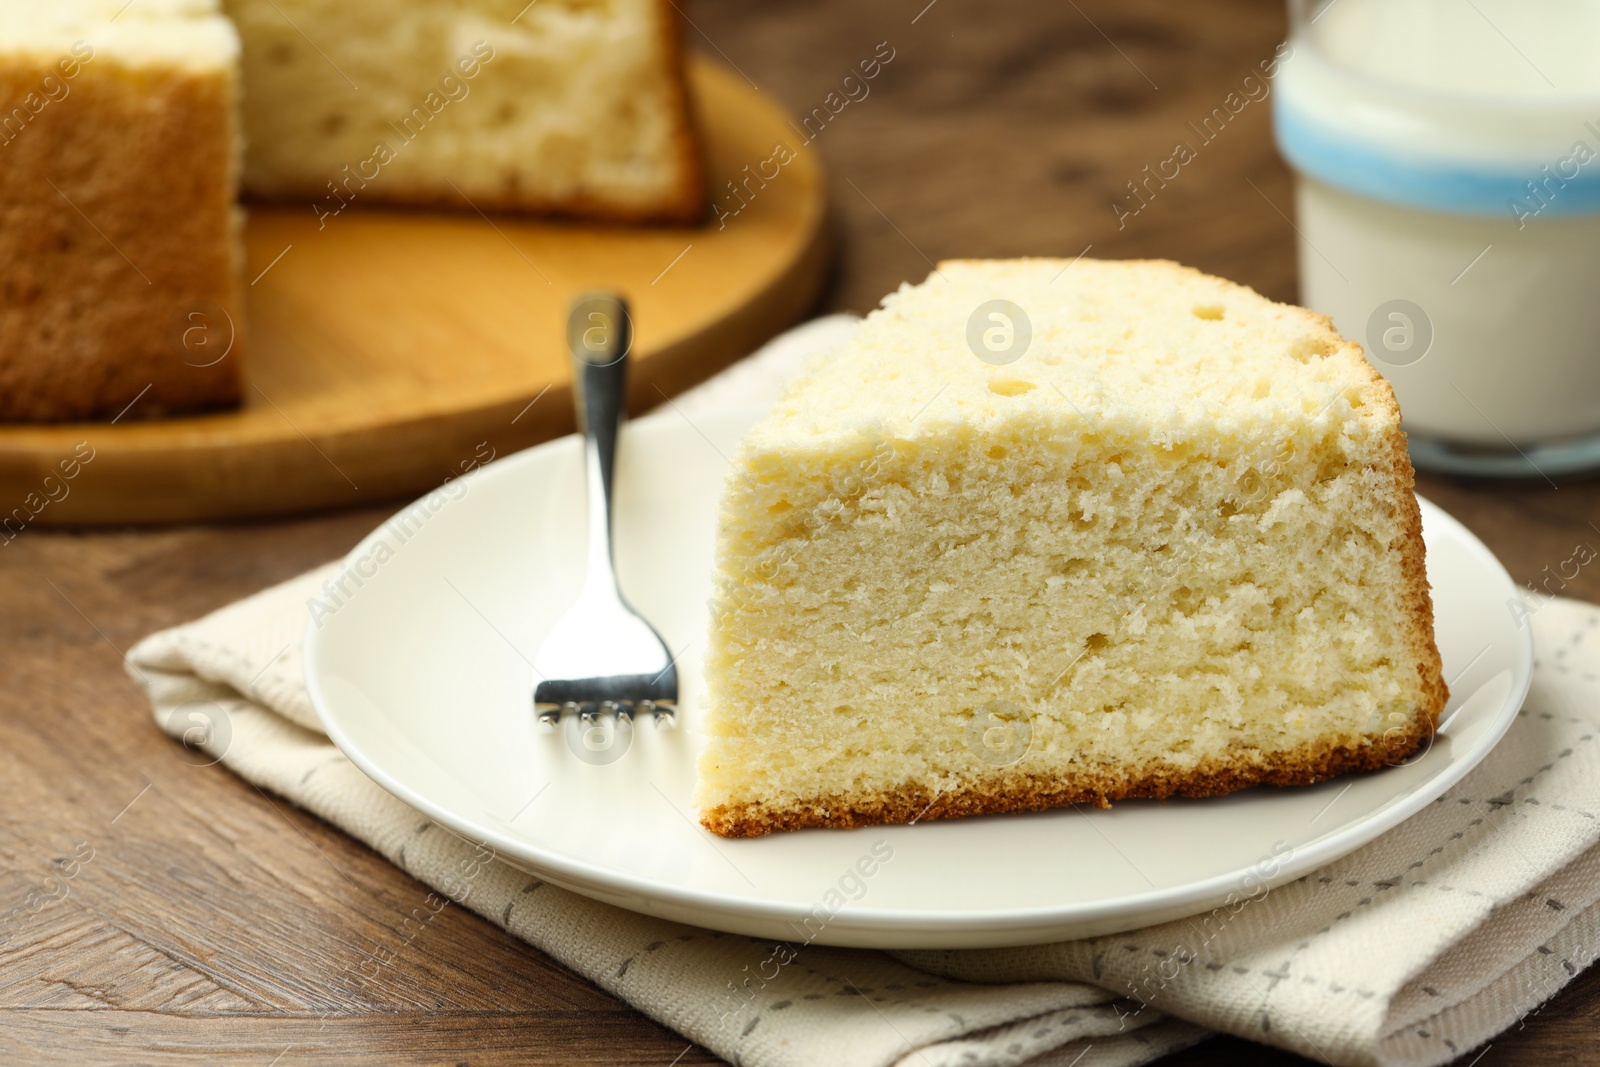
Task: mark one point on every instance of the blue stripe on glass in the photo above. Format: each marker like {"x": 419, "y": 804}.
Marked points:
{"x": 1348, "y": 163}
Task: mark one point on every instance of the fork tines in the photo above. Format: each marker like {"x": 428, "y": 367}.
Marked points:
{"x": 590, "y": 711}
{"x": 619, "y": 696}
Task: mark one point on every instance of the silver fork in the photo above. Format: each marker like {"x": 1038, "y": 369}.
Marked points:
{"x": 602, "y": 657}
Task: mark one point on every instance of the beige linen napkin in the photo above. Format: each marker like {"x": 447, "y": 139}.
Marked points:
{"x": 1413, "y": 950}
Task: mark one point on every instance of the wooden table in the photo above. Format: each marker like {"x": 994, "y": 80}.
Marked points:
{"x": 212, "y": 920}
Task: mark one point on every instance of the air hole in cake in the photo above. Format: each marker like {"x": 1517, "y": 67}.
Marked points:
{"x": 1186, "y": 601}
{"x": 1210, "y": 312}
{"x": 1010, "y": 386}
{"x": 997, "y": 452}
{"x": 1095, "y": 642}
{"x": 1307, "y": 349}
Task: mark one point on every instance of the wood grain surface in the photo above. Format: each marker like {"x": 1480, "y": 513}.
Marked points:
{"x": 212, "y": 920}
{"x": 383, "y": 346}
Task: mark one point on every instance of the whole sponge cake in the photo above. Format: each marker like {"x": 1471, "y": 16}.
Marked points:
{"x": 1049, "y": 532}
{"x": 567, "y": 106}
{"x": 119, "y": 237}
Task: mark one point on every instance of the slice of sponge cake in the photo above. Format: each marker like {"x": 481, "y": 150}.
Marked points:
{"x": 567, "y": 106}
{"x": 118, "y": 230}
{"x": 1050, "y": 532}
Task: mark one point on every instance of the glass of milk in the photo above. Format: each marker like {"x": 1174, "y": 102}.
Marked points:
{"x": 1448, "y": 191}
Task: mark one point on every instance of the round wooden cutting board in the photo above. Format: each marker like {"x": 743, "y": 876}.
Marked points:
{"x": 388, "y": 350}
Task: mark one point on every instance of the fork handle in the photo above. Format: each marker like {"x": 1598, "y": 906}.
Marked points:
{"x": 599, "y": 335}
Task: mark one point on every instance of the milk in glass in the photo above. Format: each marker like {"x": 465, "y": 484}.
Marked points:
{"x": 1448, "y": 196}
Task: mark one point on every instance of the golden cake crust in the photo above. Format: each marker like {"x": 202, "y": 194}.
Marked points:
{"x": 687, "y": 204}
{"x": 118, "y": 222}
{"x": 1030, "y": 792}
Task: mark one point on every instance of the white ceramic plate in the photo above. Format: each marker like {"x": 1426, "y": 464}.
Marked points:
{"x": 422, "y": 678}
